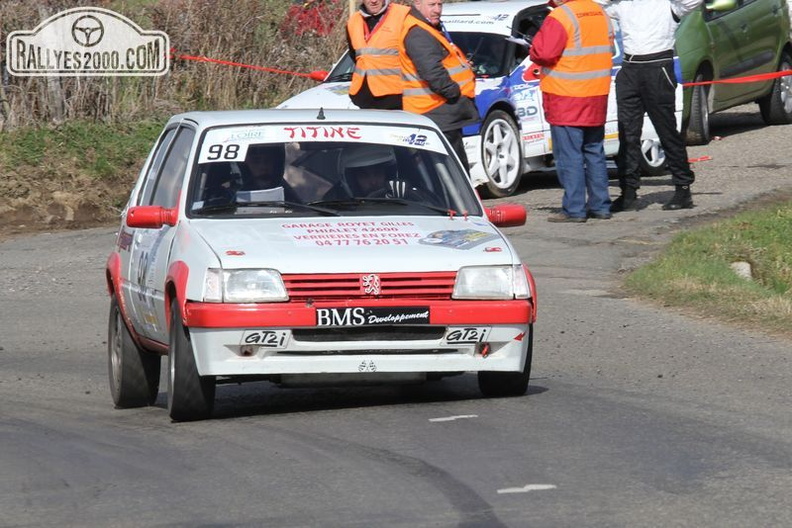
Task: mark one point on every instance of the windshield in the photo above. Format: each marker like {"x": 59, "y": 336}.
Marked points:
{"x": 342, "y": 72}
{"x": 363, "y": 170}
{"x": 488, "y": 54}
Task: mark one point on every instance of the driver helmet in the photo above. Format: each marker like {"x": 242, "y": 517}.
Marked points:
{"x": 366, "y": 168}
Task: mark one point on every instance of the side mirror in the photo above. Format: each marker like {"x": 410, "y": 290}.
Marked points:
{"x": 151, "y": 216}
{"x": 318, "y": 75}
{"x": 506, "y": 215}
{"x": 720, "y": 5}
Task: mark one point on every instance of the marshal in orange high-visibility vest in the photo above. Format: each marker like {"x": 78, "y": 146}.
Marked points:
{"x": 377, "y": 52}
{"x": 417, "y": 97}
{"x": 584, "y": 69}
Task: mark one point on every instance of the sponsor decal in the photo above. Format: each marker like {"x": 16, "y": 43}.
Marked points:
{"x": 342, "y": 89}
{"x": 535, "y": 137}
{"x": 124, "y": 240}
{"x": 458, "y": 239}
{"x": 417, "y": 140}
{"x": 87, "y": 41}
{"x": 364, "y": 316}
{"x": 354, "y": 233}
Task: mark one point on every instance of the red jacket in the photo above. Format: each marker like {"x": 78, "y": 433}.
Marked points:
{"x": 560, "y": 110}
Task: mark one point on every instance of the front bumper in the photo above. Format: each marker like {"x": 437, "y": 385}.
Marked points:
{"x": 460, "y": 336}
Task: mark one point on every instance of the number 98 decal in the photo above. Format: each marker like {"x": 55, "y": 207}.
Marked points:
{"x": 223, "y": 152}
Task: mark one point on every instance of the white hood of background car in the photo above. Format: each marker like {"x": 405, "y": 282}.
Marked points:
{"x": 355, "y": 244}
{"x": 326, "y": 95}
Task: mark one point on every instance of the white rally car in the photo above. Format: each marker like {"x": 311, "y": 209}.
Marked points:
{"x": 513, "y": 137}
{"x": 366, "y": 256}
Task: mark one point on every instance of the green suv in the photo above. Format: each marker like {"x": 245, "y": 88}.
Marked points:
{"x": 734, "y": 38}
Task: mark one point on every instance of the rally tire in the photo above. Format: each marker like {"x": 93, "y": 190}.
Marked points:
{"x": 501, "y": 155}
{"x": 190, "y": 395}
{"x": 653, "y": 159}
{"x": 776, "y": 107}
{"x": 134, "y": 373}
{"x": 508, "y": 384}
{"x": 698, "y": 128}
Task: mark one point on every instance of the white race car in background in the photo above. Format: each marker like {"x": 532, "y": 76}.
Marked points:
{"x": 309, "y": 282}
{"x": 513, "y": 137}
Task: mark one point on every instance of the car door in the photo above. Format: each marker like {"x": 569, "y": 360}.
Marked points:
{"x": 151, "y": 247}
{"x": 762, "y": 33}
{"x": 734, "y": 52}
{"x": 130, "y": 257}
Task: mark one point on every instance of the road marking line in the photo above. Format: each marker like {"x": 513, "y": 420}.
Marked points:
{"x": 528, "y": 487}
{"x": 452, "y": 418}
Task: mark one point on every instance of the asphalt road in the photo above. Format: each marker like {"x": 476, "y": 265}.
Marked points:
{"x": 636, "y": 416}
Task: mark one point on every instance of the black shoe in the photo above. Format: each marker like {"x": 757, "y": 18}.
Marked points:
{"x": 628, "y": 201}
{"x": 599, "y": 216}
{"x": 681, "y": 199}
{"x": 561, "y": 217}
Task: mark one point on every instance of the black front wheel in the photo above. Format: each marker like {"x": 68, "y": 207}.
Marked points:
{"x": 508, "y": 384}
{"x": 776, "y": 107}
{"x": 698, "y": 128}
{"x": 134, "y": 373}
{"x": 190, "y": 395}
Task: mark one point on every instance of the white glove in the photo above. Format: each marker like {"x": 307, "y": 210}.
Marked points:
{"x": 519, "y": 41}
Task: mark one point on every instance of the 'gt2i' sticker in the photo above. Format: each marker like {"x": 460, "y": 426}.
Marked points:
{"x": 265, "y": 338}
{"x": 470, "y": 334}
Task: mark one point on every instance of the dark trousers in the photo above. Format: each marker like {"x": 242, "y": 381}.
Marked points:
{"x": 649, "y": 87}
{"x": 455, "y": 138}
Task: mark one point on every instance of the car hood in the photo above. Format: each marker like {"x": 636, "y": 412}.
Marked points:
{"x": 326, "y": 95}
{"x": 355, "y": 244}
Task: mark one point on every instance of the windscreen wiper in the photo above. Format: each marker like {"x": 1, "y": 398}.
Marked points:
{"x": 385, "y": 200}
{"x": 296, "y": 205}
{"x": 341, "y": 77}
{"x": 233, "y": 206}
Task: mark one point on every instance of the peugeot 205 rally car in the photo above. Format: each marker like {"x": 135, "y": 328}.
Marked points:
{"x": 513, "y": 137}
{"x": 310, "y": 277}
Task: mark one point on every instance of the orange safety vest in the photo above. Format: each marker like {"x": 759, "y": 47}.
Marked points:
{"x": 417, "y": 96}
{"x": 584, "y": 69}
{"x": 377, "y": 53}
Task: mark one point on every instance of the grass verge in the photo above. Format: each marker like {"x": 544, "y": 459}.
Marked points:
{"x": 695, "y": 271}
{"x": 77, "y": 174}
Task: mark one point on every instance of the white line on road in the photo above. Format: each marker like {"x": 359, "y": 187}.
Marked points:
{"x": 452, "y": 418}
{"x": 528, "y": 487}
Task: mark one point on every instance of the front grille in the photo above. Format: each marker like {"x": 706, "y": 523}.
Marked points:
{"x": 376, "y": 333}
{"x": 369, "y": 352}
{"x": 435, "y": 285}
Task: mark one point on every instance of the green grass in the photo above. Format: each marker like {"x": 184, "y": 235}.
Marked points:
{"x": 96, "y": 150}
{"x": 695, "y": 270}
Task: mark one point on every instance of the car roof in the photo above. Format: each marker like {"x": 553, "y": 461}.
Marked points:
{"x": 487, "y": 17}
{"x": 207, "y": 119}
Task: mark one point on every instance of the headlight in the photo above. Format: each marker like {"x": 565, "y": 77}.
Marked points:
{"x": 244, "y": 286}
{"x": 492, "y": 282}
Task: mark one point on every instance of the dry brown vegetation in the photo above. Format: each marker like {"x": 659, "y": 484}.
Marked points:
{"x": 255, "y": 32}
{"x": 70, "y": 148}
